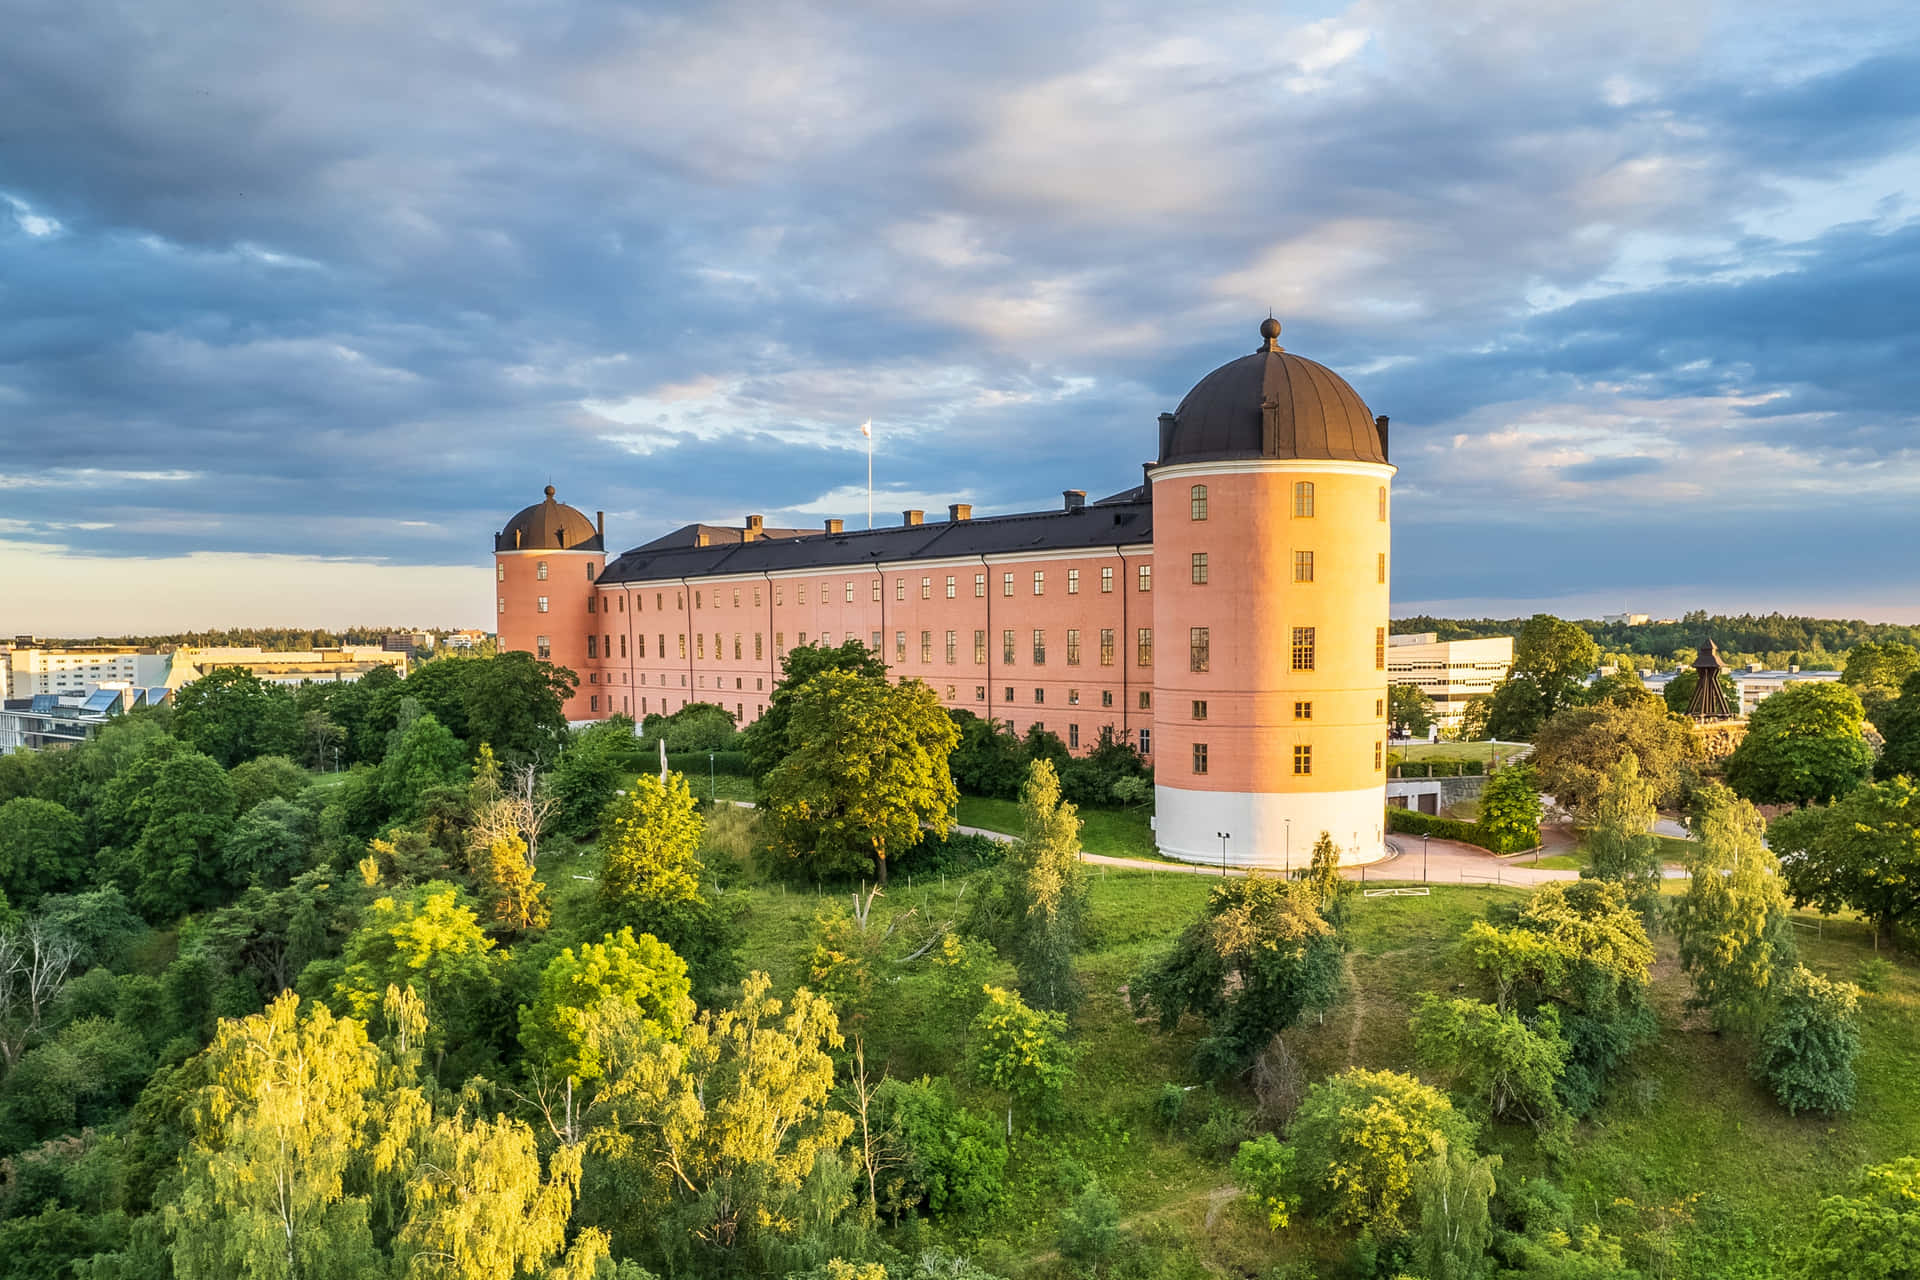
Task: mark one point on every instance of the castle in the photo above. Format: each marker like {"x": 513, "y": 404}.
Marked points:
{"x": 1228, "y": 615}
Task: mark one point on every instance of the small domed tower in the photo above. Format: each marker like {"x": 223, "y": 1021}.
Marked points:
{"x": 1270, "y": 548}
{"x": 545, "y": 563}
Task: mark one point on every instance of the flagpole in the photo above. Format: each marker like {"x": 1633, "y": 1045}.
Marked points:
{"x": 867, "y": 431}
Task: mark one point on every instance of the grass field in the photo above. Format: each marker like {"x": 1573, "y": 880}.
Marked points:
{"x": 1118, "y": 833}
{"x": 1454, "y": 750}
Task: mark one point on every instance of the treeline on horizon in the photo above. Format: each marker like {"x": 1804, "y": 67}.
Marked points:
{"x": 1775, "y": 639}
{"x": 271, "y": 639}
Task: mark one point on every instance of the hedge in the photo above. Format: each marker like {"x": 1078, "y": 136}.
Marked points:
{"x": 693, "y": 762}
{"x": 1439, "y": 768}
{"x": 1414, "y": 823}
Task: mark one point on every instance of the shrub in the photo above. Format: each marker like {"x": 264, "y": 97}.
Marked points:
{"x": 946, "y": 1157}
{"x": 1168, "y": 1105}
{"x": 1264, "y": 1170}
{"x": 1407, "y": 822}
{"x": 1090, "y": 1227}
{"x": 694, "y": 763}
{"x": 1361, "y": 1138}
{"x": 953, "y": 854}
{"x": 1807, "y": 1050}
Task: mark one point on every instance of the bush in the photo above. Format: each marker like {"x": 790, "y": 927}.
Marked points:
{"x": 694, "y": 763}
{"x": 1359, "y": 1141}
{"x": 698, "y": 726}
{"x": 955, "y": 854}
{"x": 1408, "y": 822}
{"x": 947, "y": 1157}
{"x": 1807, "y": 1050}
{"x": 1090, "y": 1227}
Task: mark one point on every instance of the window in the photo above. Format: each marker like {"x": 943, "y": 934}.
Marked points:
{"x": 953, "y": 648}
{"x": 1106, "y": 697}
{"x": 503, "y": 604}
{"x": 899, "y": 588}
{"x": 1146, "y": 700}
{"x": 979, "y": 647}
{"x": 1006, "y": 584}
{"x": 542, "y": 648}
{"x": 719, "y": 647}
{"x": 1303, "y": 499}
{"x": 1379, "y": 648}
{"x": 1383, "y": 502}
{"x": 593, "y": 702}
{"x": 800, "y": 594}
{"x": 540, "y": 605}
{"x": 1199, "y": 648}
{"x": 779, "y": 644}
{"x": 779, "y": 595}
{"x": 593, "y": 646}
{"x": 1199, "y": 757}
{"x": 700, "y": 600}
{"x": 661, "y": 649}
{"x": 1006, "y": 647}
{"x": 756, "y": 597}
{"x": 1146, "y": 742}
{"x": 1303, "y": 711}
{"x": 1073, "y": 697}
{"x": 1197, "y": 502}
{"x": 499, "y": 572}
{"x": 700, "y": 645}
{"x": 1303, "y": 648}
{"x": 899, "y": 646}
{"x": 683, "y": 644}
{"x": 1302, "y": 761}
{"x": 1303, "y": 566}
{"x": 759, "y": 645}
{"x": 1039, "y": 647}
{"x": 1379, "y": 749}
{"x": 540, "y": 570}
{"x": 736, "y": 646}
{"x": 873, "y": 641}
{"x": 1039, "y": 695}
{"x": 1199, "y": 709}
{"x": 1381, "y": 566}
{"x": 1199, "y": 568}
{"x": 876, "y": 589}
{"x": 1006, "y": 695}
{"x": 979, "y": 693}
{"x": 979, "y": 586}
{"x": 849, "y": 593}
{"x": 1146, "y": 577}
{"x": 1379, "y": 708}
{"x": 1039, "y": 582}
{"x": 736, "y": 596}
{"x": 800, "y": 640}
{"x": 926, "y": 588}
{"x": 1073, "y": 582}
{"x": 1143, "y": 647}
{"x": 951, "y": 696}
{"x": 926, "y": 646}
{"x": 1073, "y": 648}
{"x": 950, "y": 586}
{"x": 1073, "y": 732}
{"x": 1106, "y": 579}
{"x": 590, "y": 608}
{"x": 1106, "y": 646}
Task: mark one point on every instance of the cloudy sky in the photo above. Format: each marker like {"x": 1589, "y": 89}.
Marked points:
{"x": 300, "y": 301}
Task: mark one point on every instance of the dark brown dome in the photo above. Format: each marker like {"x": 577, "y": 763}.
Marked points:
{"x": 549, "y": 526}
{"x": 1272, "y": 404}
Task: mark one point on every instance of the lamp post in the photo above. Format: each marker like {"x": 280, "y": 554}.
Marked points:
{"x": 1286, "y": 867}
{"x": 713, "y": 785}
{"x": 1224, "y": 837}
{"x": 1423, "y": 858}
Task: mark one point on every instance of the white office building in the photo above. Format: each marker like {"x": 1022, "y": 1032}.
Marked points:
{"x": 1449, "y": 671}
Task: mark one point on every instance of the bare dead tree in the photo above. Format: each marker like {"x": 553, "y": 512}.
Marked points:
{"x": 1278, "y": 1084}
{"x": 532, "y": 806}
{"x": 34, "y": 963}
{"x": 875, "y": 1152}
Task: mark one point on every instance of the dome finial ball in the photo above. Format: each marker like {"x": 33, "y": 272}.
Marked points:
{"x": 549, "y": 491}
{"x": 1270, "y": 331}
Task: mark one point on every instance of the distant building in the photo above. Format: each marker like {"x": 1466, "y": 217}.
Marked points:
{"x": 463, "y": 639}
{"x": 40, "y": 670}
{"x": 407, "y": 642}
{"x": 36, "y": 670}
{"x": 49, "y": 720}
{"x": 1755, "y": 684}
{"x": 292, "y": 667}
{"x": 1449, "y": 671}
{"x": 1624, "y": 619}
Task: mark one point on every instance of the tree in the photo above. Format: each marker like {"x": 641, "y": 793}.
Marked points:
{"x": 1512, "y": 1068}
{"x": 865, "y": 771}
{"x": 1264, "y": 1170}
{"x": 1090, "y": 1226}
{"x": 1732, "y": 923}
{"x": 1258, "y": 957}
{"x": 169, "y": 812}
{"x": 698, "y": 726}
{"x": 765, "y": 740}
{"x": 1360, "y": 1140}
{"x": 1678, "y": 695}
{"x": 1620, "y": 843}
{"x": 1803, "y": 745}
{"x": 987, "y": 760}
{"x": 936, "y": 1152}
{"x": 588, "y": 773}
{"x": 1451, "y": 1193}
{"x": 35, "y": 961}
{"x": 430, "y": 941}
{"x": 1551, "y": 659}
{"x": 641, "y": 976}
{"x": 1475, "y": 718}
{"x": 275, "y": 1134}
{"x": 265, "y": 778}
{"x": 648, "y": 845}
{"x": 1899, "y": 724}
{"x": 424, "y": 755}
{"x": 1048, "y": 893}
{"x": 1409, "y": 710}
{"x": 1877, "y": 673}
{"x": 517, "y": 705}
{"x": 1510, "y": 809}
{"x": 1807, "y": 1050}
{"x": 1863, "y": 853}
{"x": 1574, "y": 749}
{"x": 232, "y": 715}
{"x": 41, "y": 847}
{"x": 1874, "y": 1235}
{"x": 1021, "y": 1052}
{"x": 269, "y": 844}
{"x": 321, "y": 739}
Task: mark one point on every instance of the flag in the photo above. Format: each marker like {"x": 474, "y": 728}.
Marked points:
{"x": 866, "y": 428}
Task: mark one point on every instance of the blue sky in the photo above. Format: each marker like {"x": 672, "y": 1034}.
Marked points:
{"x": 298, "y": 305}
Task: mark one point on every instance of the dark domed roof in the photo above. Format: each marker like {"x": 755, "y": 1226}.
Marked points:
{"x": 1272, "y": 404}
{"x": 549, "y": 526}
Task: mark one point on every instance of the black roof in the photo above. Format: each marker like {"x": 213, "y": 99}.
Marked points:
{"x": 1273, "y": 404}
{"x": 1112, "y": 522}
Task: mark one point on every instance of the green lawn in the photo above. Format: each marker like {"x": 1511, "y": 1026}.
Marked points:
{"x": 1454, "y": 750}
{"x": 1118, "y": 833}
{"x": 722, "y": 786}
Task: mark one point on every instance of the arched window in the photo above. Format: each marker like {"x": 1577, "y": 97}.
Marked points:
{"x": 1303, "y": 499}
{"x": 1197, "y": 502}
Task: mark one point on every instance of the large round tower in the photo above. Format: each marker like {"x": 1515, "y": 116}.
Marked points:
{"x": 544, "y": 566}
{"x": 1270, "y": 544}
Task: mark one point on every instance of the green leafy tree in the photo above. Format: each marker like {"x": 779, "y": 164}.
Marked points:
{"x": 1807, "y": 1051}
{"x": 1510, "y": 809}
{"x": 42, "y": 845}
{"x": 1263, "y": 1169}
{"x": 1899, "y": 724}
{"x": 1678, "y": 694}
{"x": 517, "y": 704}
{"x": 1360, "y": 1141}
{"x": 428, "y": 940}
{"x": 425, "y": 755}
{"x": 1021, "y": 1052}
{"x": 649, "y": 846}
{"x": 641, "y": 976}
{"x": 233, "y": 716}
{"x": 1452, "y": 1192}
{"x": 1803, "y": 745}
{"x": 1735, "y": 938}
{"x": 1258, "y": 957}
{"x": 265, "y": 778}
{"x": 698, "y": 726}
{"x": 1573, "y": 750}
{"x": 1409, "y": 710}
{"x": 1872, "y": 1235}
{"x": 987, "y": 760}
{"x": 589, "y": 772}
{"x": 1511, "y": 1067}
{"x": 1551, "y": 659}
{"x": 177, "y": 809}
{"x": 1048, "y": 892}
{"x": 1621, "y": 846}
{"x": 865, "y": 771}
{"x": 765, "y": 740}
{"x": 1090, "y": 1227}
{"x": 1877, "y": 671}
{"x": 269, "y": 844}
{"x": 1863, "y": 853}
{"x": 938, "y": 1153}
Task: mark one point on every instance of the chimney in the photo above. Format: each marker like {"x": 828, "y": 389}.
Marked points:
{"x": 600, "y": 523}
{"x": 1380, "y": 424}
{"x": 752, "y": 533}
{"x": 1073, "y": 499}
{"x": 835, "y": 526}
{"x": 1166, "y": 434}
{"x": 1146, "y": 475}
{"x": 912, "y": 517}
{"x": 957, "y": 511}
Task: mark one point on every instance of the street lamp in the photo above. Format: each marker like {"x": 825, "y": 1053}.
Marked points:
{"x": 1287, "y": 866}
{"x": 713, "y": 786}
{"x": 1224, "y": 837}
{"x": 1423, "y": 858}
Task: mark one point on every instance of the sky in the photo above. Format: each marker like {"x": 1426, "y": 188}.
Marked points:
{"x": 300, "y": 302}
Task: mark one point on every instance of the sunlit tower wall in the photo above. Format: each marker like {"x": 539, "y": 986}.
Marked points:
{"x": 1272, "y": 558}
{"x": 545, "y": 563}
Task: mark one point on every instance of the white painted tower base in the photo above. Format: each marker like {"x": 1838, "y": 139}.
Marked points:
{"x": 1267, "y": 830}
